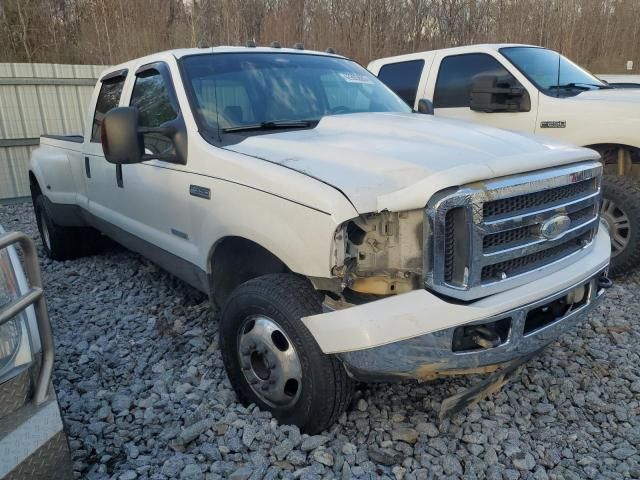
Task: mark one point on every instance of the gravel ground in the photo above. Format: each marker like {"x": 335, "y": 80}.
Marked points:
{"x": 144, "y": 394}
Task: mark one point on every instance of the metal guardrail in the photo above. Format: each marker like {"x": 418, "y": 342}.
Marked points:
{"x": 35, "y": 297}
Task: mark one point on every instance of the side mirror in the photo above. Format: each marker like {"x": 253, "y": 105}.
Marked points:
{"x": 123, "y": 137}
{"x": 121, "y": 141}
{"x": 489, "y": 93}
{"x": 425, "y": 106}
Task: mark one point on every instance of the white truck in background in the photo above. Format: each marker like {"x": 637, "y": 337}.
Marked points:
{"x": 344, "y": 236}
{"x": 535, "y": 90}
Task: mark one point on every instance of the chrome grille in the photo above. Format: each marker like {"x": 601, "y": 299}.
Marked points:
{"x": 517, "y": 236}
{"x": 538, "y": 259}
{"x": 490, "y": 236}
{"x": 513, "y": 205}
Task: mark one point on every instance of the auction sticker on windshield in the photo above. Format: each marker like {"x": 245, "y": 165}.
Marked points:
{"x": 355, "y": 78}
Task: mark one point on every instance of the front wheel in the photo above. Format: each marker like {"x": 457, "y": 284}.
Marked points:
{"x": 272, "y": 359}
{"x": 620, "y": 210}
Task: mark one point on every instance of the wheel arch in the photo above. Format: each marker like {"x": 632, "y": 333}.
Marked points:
{"x": 234, "y": 260}
{"x": 619, "y": 158}
{"x": 34, "y": 186}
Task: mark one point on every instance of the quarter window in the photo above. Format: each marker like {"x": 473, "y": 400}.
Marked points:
{"x": 403, "y": 78}
{"x": 453, "y": 86}
{"x": 108, "y": 98}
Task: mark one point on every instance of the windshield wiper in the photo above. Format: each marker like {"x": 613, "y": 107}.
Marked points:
{"x": 273, "y": 125}
{"x": 579, "y": 86}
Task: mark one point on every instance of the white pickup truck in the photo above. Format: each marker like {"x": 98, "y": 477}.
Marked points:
{"x": 344, "y": 236}
{"x": 534, "y": 90}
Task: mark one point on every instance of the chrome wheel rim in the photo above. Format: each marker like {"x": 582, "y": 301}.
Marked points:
{"x": 269, "y": 361}
{"x": 619, "y": 226}
{"x": 46, "y": 239}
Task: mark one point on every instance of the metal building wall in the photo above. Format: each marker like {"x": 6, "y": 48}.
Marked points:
{"x": 36, "y": 99}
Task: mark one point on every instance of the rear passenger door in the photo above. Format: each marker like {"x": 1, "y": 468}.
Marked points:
{"x": 100, "y": 175}
{"x": 451, "y": 91}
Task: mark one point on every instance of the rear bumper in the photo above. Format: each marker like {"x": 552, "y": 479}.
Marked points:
{"x": 430, "y": 356}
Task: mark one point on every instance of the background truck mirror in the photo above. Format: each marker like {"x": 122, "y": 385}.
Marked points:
{"x": 425, "y": 106}
{"x": 491, "y": 94}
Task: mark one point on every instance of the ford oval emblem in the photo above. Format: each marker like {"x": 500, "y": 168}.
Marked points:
{"x": 555, "y": 227}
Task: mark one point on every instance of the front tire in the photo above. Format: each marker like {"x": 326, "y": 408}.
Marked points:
{"x": 272, "y": 359}
{"x": 621, "y": 211}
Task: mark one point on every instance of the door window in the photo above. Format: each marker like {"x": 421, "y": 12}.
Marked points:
{"x": 453, "y": 86}
{"x": 151, "y": 97}
{"x": 108, "y": 98}
{"x": 403, "y": 78}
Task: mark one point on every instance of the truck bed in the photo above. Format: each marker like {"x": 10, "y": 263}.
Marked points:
{"x": 76, "y": 138}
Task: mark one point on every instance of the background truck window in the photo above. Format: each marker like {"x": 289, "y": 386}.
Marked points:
{"x": 453, "y": 86}
{"x": 403, "y": 78}
{"x": 108, "y": 98}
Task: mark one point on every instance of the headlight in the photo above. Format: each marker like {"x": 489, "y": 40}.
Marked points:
{"x": 15, "y": 349}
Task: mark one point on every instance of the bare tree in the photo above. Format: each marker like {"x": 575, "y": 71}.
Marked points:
{"x": 600, "y": 34}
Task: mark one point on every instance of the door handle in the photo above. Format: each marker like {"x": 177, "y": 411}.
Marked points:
{"x": 87, "y": 167}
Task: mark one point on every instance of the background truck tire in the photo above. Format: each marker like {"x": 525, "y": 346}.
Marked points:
{"x": 64, "y": 243}
{"x": 621, "y": 210}
{"x": 283, "y": 371}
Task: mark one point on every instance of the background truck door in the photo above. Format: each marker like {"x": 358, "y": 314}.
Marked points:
{"x": 449, "y": 87}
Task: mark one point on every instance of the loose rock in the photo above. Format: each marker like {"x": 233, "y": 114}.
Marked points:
{"x": 143, "y": 390}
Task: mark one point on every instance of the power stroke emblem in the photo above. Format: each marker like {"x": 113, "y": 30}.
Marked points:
{"x": 553, "y": 124}
{"x": 554, "y": 227}
{"x": 198, "y": 191}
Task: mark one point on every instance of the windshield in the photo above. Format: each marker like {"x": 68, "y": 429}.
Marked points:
{"x": 540, "y": 66}
{"x": 274, "y": 89}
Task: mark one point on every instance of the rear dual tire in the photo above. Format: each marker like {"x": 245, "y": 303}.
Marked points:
{"x": 272, "y": 359}
{"x": 64, "y": 243}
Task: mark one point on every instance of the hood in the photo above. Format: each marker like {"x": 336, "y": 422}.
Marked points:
{"x": 614, "y": 95}
{"x": 395, "y": 161}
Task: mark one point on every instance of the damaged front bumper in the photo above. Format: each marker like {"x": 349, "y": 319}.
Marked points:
{"x": 419, "y": 335}
{"x": 516, "y": 334}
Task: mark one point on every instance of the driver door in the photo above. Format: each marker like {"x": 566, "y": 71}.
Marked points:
{"x": 450, "y": 90}
{"x": 153, "y": 195}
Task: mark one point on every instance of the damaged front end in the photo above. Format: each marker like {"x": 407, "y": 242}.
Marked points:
{"x": 380, "y": 254}
{"x": 476, "y": 282}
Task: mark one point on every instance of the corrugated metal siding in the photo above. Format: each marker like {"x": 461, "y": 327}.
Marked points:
{"x": 37, "y": 99}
